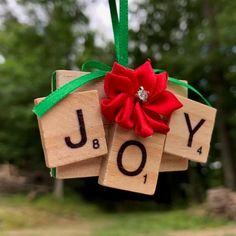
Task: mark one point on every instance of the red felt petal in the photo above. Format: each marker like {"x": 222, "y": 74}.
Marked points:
{"x": 160, "y": 85}
{"x": 110, "y": 107}
{"x": 164, "y": 104}
{"x": 142, "y": 127}
{"x": 125, "y": 116}
{"x": 146, "y": 77}
{"x": 158, "y": 124}
{"x": 116, "y": 84}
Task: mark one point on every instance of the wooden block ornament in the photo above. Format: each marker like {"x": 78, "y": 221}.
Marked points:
{"x": 168, "y": 162}
{"x": 140, "y": 105}
{"x": 72, "y": 130}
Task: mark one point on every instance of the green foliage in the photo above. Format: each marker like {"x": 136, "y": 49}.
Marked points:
{"x": 57, "y": 39}
{"x": 32, "y": 52}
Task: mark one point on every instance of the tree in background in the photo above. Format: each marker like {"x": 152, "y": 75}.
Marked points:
{"x": 32, "y": 51}
{"x": 193, "y": 40}
{"x": 51, "y": 40}
{"x": 53, "y": 35}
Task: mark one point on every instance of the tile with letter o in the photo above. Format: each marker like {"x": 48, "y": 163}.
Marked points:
{"x": 191, "y": 129}
{"x": 72, "y": 130}
{"x": 133, "y": 162}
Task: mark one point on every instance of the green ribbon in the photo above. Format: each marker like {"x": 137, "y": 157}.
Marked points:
{"x": 120, "y": 31}
{"x": 87, "y": 66}
{"x": 115, "y": 24}
{"x": 190, "y": 87}
{"x": 52, "y": 99}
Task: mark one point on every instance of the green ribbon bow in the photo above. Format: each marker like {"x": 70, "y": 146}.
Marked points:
{"x": 120, "y": 31}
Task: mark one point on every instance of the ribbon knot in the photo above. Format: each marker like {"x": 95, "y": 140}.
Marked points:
{"x": 122, "y": 106}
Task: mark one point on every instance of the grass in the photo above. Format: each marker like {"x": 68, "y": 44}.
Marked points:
{"x": 18, "y": 213}
{"x": 149, "y": 223}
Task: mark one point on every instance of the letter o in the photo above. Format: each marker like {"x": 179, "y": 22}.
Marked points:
{"x": 120, "y": 156}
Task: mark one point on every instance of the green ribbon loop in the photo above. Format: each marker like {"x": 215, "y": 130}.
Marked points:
{"x": 120, "y": 31}
{"x": 115, "y": 25}
{"x": 190, "y": 87}
{"x": 123, "y": 33}
{"x": 87, "y": 66}
{"x": 157, "y": 71}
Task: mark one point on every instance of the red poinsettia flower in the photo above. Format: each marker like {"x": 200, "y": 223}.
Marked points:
{"x": 138, "y": 99}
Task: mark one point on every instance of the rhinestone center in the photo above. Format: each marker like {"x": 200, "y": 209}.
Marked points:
{"x": 142, "y": 94}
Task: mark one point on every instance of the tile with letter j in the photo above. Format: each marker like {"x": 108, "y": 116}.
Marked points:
{"x": 91, "y": 166}
{"x": 72, "y": 130}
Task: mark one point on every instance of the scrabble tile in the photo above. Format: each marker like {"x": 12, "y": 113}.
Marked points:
{"x": 191, "y": 129}
{"x": 62, "y": 77}
{"x": 170, "y": 162}
{"x": 133, "y": 162}
{"x": 72, "y": 130}
{"x": 81, "y": 169}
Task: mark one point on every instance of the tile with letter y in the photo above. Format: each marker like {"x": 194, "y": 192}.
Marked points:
{"x": 191, "y": 129}
{"x": 172, "y": 162}
{"x": 72, "y": 130}
{"x": 133, "y": 162}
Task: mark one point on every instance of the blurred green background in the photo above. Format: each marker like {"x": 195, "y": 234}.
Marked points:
{"x": 193, "y": 40}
